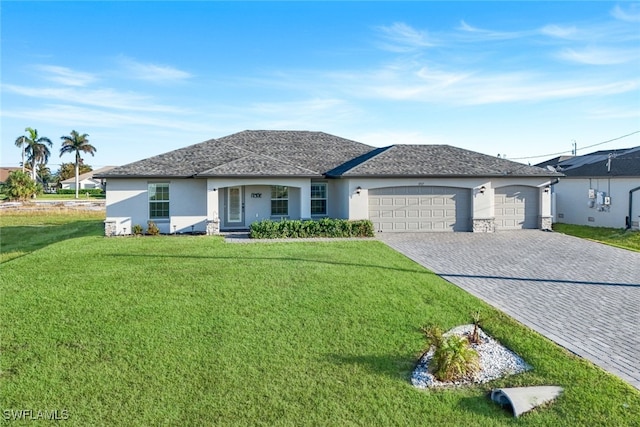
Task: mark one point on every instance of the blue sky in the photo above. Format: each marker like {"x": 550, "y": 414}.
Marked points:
{"x": 141, "y": 78}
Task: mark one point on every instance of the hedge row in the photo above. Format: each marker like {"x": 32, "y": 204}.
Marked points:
{"x": 326, "y": 227}
{"x": 91, "y": 191}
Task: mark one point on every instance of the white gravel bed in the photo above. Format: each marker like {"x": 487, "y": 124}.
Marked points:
{"x": 496, "y": 361}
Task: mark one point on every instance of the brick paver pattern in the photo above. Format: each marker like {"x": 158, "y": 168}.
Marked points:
{"x": 583, "y": 295}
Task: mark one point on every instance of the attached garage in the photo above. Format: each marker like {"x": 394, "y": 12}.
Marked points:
{"x": 420, "y": 209}
{"x": 516, "y": 207}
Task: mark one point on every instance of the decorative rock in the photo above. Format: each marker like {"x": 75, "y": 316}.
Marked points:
{"x": 496, "y": 361}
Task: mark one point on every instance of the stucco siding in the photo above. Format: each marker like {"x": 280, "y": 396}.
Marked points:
{"x": 129, "y": 198}
{"x": 127, "y": 201}
{"x": 574, "y": 206}
{"x": 188, "y": 206}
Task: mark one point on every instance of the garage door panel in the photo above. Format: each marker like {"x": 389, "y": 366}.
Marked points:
{"x": 413, "y": 213}
{"x": 516, "y": 207}
{"x": 420, "y": 209}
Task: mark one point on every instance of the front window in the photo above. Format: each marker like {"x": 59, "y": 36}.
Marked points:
{"x": 279, "y": 200}
{"x": 318, "y": 198}
{"x": 159, "y": 200}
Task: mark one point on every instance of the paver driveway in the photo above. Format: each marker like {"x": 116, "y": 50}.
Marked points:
{"x": 583, "y": 295}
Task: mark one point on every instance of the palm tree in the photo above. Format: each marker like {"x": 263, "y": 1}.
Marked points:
{"x": 36, "y": 148}
{"x": 75, "y": 143}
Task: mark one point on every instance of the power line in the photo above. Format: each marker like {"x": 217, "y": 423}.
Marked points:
{"x": 576, "y": 150}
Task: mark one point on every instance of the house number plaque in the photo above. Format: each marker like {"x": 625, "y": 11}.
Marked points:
{"x": 256, "y": 195}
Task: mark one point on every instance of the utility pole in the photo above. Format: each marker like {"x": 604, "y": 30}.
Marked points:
{"x": 23, "y": 138}
{"x": 574, "y": 151}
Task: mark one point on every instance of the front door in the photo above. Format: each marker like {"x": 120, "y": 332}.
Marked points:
{"x": 235, "y": 207}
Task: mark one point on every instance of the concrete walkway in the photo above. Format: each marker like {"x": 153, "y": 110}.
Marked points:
{"x": 583, "y": 295}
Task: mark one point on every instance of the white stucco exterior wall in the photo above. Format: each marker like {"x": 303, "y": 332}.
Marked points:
{"x": 129, "y": 199}
{"x": 258, "y": 208}
{"x": 187, "y": 207}
{"x": 127, "y": 203}
{"x": 573, "y": 205}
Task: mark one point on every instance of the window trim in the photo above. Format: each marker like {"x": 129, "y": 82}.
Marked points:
{"x": 325, "y": 198}
{"x": 167, "y": 201}
{"x": 274, "y": 189}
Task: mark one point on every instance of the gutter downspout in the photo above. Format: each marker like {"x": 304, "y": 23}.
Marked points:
{"x": 631, "y": 206}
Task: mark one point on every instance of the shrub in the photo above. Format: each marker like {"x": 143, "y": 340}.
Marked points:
{"x": 326, "y": 227}
{"x": 152, "y": 229}
{"x": 137, "y": 229}
{"x": 476, "y": 318}
{"x": 20, "y": 186}
{"x": 453, "y": 358}
{"x": 82, "y": 191}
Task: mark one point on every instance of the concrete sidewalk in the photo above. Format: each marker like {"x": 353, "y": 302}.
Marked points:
{"x": 583, "y": 295}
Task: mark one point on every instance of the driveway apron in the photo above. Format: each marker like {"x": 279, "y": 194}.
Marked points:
{"x": 583, "y": 295}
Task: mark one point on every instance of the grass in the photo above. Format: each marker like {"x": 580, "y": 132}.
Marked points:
{"x": 193, "y": 331}
{"x": 22, "y": 232}
{"x": 611, "y": 236}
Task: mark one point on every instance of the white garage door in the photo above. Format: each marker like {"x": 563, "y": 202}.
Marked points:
{"x": 417, "y": 209}
{"x": 516, "y": 207}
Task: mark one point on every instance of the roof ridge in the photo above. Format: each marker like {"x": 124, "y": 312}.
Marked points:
{"x": 266, "y": 157}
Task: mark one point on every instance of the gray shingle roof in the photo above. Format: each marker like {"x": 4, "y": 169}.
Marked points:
{"x": 624, "y": 163}
{"x": 250, "y": 153}
{"x": 314, "y": 154}
{"x": 439, "y": 160}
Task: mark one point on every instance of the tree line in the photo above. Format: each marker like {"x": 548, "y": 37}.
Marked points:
{"x": 35, "y": 155}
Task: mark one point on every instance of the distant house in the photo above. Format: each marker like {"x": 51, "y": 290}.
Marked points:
{"x": 5, "y": 171}
{"x": 599, "y": 189}
{"x": 88, "y": 180}
{"x": 249, "y": 176}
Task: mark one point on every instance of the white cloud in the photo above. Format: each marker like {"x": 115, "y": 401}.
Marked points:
{"x": 630, "y": 15}
{"x": 455, "y": 88}
{"x": 614, "y": 113}
{"x": 483, "y": 34}
{"x": 558, "y": 31}
{"x": 104, "y": 98}
{"x": 600, "y": 56}
{"x": 65, "y": 76}
{"x": 155, "y": 73}
{"x": 78, "y": 116}
{"x": 404, "y": 38}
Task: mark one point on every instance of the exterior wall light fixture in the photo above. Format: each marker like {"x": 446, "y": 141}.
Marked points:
{"x": 358, "y": 190}
{"x": 482, "y": 189}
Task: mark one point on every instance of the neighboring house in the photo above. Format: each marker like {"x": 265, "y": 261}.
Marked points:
{"x": 249, "y": 176}
{"x": 5, "y": 171}
{"x": 599, "y": 189}
{"x": 88, "y": 180}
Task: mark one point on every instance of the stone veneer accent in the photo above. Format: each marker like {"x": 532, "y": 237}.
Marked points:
{"x": 213, "y": 227}
{"x": 546, "y": 222}
{"x": 484, "y": 225}
{"x": 110, "y": 228}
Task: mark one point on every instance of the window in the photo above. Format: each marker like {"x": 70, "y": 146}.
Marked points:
{"x": 318, "y": 198}
{"x": 159, "y": 200}
{"x": 279, "y": 200}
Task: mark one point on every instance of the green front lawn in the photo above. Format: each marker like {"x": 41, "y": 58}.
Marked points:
{"x": 627, "y": 239}
{"x": 193, "y": 331}
{"x": 23, "y": 232}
